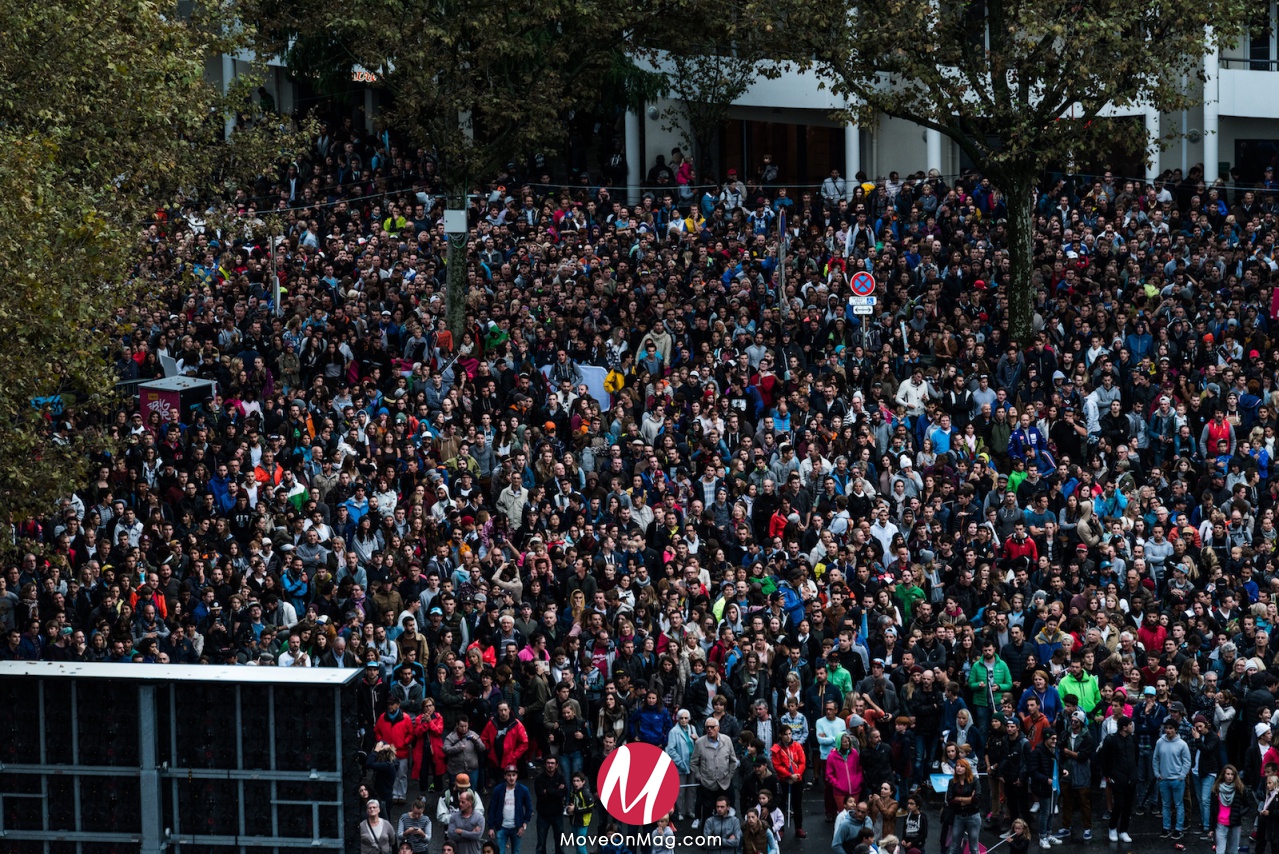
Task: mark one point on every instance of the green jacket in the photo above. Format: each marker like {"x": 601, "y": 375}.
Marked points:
{"x": 840, "y": 678}
{"x": 977, "y": 680}
{"x": 1085, "y": 689}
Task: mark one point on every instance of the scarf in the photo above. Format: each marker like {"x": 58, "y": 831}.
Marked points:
{"x": 1226, "y": 794}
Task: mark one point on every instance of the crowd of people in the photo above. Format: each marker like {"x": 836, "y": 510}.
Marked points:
{"x": 668, "y": 484}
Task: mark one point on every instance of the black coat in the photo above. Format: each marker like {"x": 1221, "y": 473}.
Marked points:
{"x": 370, "y": 702}
{"x": 1251, "y": 772}
{"x": 1207, "y": 748}
{"x": 1254, "y": 701}
{"x": 877, "y": 767}
{"x": 1040, "y": 770}
{"x": 1119, "y": 759}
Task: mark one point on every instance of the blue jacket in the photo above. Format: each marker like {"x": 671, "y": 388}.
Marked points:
{"x": 497, "y": 802}
{"x": 1050, "y": 702}
{"x": 651, "y": 725}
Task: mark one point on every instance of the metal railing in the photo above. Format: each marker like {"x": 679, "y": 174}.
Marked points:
{"x": 1245, "y": 64}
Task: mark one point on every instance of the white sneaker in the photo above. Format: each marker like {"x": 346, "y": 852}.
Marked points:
{"x": 1034, "y": 808}
{"x": 1114, "y": 836}
{"x": 1054, "y": 840}
{"x": 1044, "y": 843}
{"x": 696, "y": 824}
{"x": 1123, "y": 837}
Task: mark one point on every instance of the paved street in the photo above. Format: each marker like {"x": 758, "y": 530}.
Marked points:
{"x": 1145, "y": 829}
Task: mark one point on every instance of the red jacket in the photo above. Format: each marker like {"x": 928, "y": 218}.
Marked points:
{"x": 788, "y": 762}
{"x": 1026, "y": 548}
{"x": 398, "y": 733}
{"x": 429, "y": 730}
{"x": 514, "y": 746}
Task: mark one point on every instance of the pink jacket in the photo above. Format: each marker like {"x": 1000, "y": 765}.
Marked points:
{"x": 844, "y": 774}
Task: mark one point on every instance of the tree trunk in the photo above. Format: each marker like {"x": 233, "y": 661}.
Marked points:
{"x": 1021, "y": 257}
{"x": 455, "y": 294}
{"x": 455, "y": 300}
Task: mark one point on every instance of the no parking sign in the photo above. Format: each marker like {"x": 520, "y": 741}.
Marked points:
{"x": 863, "y": 284}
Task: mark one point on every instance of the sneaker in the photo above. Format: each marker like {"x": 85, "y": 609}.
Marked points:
{"x": 1114, "y": 836}
{"x": 1139, "y": 811}
{"x": 696, "y": 824}
{"x": 1105, "y": 816}
{"x": 1034, "y": 808}
{"x": 1165, "y": 834}
{"x": 1124, "y": 837}
{"x": 1087, "y": 835}
{"x": 1044, "y": 843}
{"x": 1177, "y": 834}
{"x": 801, "y": 833}
{"x": 1055, "y": 840}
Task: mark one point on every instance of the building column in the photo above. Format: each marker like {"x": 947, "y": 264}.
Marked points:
{"x": 933, "y": 140}
{"x": 852, "y": 154}
{"x": 228, "y": 75}
{"x": 634, "y": 158}
{"x": 1152, "y": 143}
{"x": 1211, "y": 128}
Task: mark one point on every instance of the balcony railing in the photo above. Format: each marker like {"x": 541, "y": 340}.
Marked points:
{"x": 1240, "y": 63}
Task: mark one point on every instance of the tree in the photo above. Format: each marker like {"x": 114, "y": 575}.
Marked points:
{"x": 1036, "y": 74}
{"x": 105, "y": 119}
{"x": 709, "y": 54}
{"x": 477, "y": 84}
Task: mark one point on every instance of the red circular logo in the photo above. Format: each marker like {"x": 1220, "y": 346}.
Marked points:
{"x": 638, "y": 784}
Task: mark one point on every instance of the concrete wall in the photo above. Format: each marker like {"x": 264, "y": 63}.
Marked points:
{"x": 899, "y": 144}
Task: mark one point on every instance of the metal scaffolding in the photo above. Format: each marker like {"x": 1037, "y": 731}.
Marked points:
{"x": 130, "y": 757}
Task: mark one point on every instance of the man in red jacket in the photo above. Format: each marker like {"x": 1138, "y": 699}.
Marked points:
{"x": 507, "y": 740}
{"x": 396, "y": 729}
{"x": 1020, "y": 545}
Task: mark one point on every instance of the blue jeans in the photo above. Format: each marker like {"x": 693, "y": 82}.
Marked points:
{"x": 570, "y": 763}
{"x": 1045, "y": 816}
{"x": 965, "y": 826}
{"x": 981, "y": 718}
{"x": 1173, "y": 795}
{"x": 504, "y": 836}
{"x": 925, "y": 752}
{"x": 1203, "y": 791}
